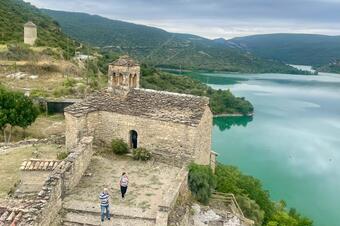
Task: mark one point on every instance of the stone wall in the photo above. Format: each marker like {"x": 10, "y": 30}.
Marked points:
{"x": 169, "y": 199}
{"x": 48, "y": 203}
{"x": 30, "y": 35}
{"x": 77, "y": 163}
{"x": 124, "y": 76}
{"x": 32, "y": 181}
{"x": 203, "y": 139}
{"x": 174, "y": 142}
{"x": 74, "y": 131}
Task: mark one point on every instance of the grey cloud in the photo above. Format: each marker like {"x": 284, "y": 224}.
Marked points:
{"x": 290, "y": 15}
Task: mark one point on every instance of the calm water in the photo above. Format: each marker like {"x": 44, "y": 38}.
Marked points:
{"x": 293, "y": 141}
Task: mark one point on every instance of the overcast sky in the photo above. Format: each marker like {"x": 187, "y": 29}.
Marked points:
{"x": 215, "y": 18}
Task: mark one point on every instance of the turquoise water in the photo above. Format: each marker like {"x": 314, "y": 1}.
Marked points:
{"x": 293, "y": 141}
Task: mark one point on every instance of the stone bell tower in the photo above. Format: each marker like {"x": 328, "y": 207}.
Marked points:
{"x": 30, "y": 33}
{"x": 123, "y": 75}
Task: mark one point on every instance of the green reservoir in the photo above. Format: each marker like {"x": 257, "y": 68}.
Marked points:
{"x": 292, "y": 143}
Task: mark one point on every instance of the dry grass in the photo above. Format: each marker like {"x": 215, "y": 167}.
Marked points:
{"x": 43, "y": 127}
{"x": 11, "y": 160}
{"x": 51, "y": 74}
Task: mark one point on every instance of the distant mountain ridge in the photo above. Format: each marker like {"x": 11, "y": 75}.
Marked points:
{"x": 304, "y": 49}
{"x": 161, "y": 48}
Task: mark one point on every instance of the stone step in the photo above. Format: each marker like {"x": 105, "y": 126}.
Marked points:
{"x": 87, "y": 213}
{"x": 116, "y": 211}
{"x": 81, "y": 219}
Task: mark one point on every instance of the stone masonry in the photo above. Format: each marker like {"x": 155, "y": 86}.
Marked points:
{"x": 173, "y": 126}
{"x": 30, "y": 33}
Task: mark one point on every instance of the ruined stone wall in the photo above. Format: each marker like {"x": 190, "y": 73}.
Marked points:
{"x": 203, "y": 139}
{"x": 78, "y": 161}
{"x": 33, "y": 178}
{"x": 63, "y": 178}
{"x": 78, "y": 127}
{"x": 75, "y": 128}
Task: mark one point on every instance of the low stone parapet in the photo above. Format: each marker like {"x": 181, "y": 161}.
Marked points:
{"x": 51, "y": 140}
{"x": 64, "y": 177}
{"x": 170, "y": 197}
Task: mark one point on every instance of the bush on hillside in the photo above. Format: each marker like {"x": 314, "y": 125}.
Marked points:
{"x": 201, "y": 182}
{"x": 62, "y": 91}
{"x": 254, "y": 200}
{"x": 141, "y": 154}
{"x": 250, "y": 209}
{"x": 18, "y": 52}
{"x": 119, "y": 147}
{"x": 69, "y": 82}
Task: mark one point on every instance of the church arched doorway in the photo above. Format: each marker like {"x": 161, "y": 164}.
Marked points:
{"x": 133, "y": 139}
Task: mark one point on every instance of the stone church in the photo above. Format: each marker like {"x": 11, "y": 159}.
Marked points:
{"x": 174, "y": 127}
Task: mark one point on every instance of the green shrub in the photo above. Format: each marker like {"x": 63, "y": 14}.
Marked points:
{"x": 69, "y": 82}
{"x": 62, "y": 155}
{"x": 39, "y": 93}
{"x": 141, "y": 154}
{"x": 201, "y": 181}
{"x": 119, "y": 147}
{"x": 52, "y": 53}
{"x": 19, "y": 52}
{"x": 63, "y": 91}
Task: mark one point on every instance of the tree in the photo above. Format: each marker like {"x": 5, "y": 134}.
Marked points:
{"x": 251, "y": 209}
{"x": 201, "y": 181}
{"x": 15, "y": 110}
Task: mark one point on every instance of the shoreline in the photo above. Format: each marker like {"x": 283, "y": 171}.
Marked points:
{"x": 234, "y": 115}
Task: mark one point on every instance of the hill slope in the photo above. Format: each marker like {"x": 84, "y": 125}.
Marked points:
{"x": 15, "y": 13}
{"x": 302, "y": 49}
{"x": 161, "y": 48}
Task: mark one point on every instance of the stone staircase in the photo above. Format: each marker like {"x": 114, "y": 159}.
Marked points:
{"x": 87, "y": 214}
{"x": 228, "y": 200}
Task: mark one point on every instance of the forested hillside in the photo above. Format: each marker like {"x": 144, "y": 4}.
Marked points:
{"x": 333, "y": 67}
{"x": 15, "y": 13}
{"x": 304, "y": 49}
{"x": 160, "y": 48}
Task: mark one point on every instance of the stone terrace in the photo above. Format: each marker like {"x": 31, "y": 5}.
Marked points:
{"x": 159, "y": 105}
{"x": 149, "y": 184}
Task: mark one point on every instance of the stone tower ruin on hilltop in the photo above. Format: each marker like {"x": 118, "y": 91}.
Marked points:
{"x": 123, "y": 75}
{"x": 30, "y": 33}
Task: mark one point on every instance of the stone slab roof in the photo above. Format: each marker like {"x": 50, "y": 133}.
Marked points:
{"x": 30, "y": 24}
{"x": 157, "y": 105}
{"x": 39, "y": 165}
{"x": 125, "y": 61}
{"x": 10, "y": 216}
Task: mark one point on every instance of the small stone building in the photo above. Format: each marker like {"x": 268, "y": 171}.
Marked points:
{"x": 174, "y": 127}
{"x": 30, "y": 33}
